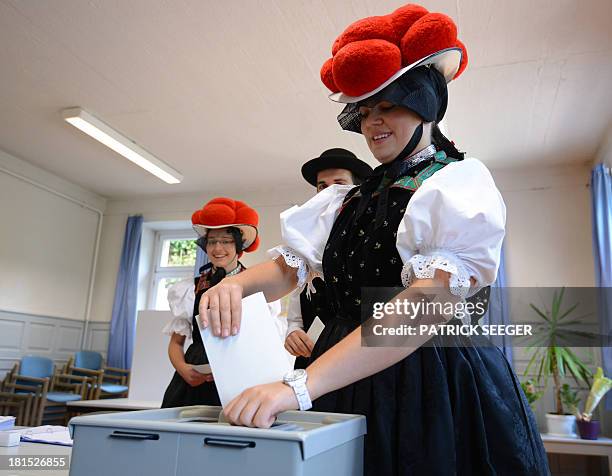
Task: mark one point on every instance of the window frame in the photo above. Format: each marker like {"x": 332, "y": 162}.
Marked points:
{"x": 159, "y": 272}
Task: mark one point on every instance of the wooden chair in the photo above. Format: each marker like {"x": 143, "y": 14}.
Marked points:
{"x": 49, "y": 390}
{"x": 17, "y": 405}
{"x": 107, "y": 382}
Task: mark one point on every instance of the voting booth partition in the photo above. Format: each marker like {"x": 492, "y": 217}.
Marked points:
{"x": 151, "y": 367}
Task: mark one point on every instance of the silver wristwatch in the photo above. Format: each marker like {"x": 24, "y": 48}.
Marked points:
{"x": 296, "y": 379}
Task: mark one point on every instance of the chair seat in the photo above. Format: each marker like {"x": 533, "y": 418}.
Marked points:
{"x": 60, "y": 397}
{"x": 110, "y": 388}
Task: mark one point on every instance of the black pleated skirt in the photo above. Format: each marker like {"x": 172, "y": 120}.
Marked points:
{"x": 443, "y": 410}
{"x": 180, "y": 394}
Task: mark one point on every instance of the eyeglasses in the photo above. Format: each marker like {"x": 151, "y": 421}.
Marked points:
{"x": 224, "y": 243}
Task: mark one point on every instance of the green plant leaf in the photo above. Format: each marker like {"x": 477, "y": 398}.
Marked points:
{"x": 568, "y": 311}
{"x": 557, "y": 299}
{"x": 539, "y": 341}
{"x": 561, "y": 338}
{"x": 579, "y": 371}
{"x": 542, "y": 366}
{"x": 530, "y": 363}
{"x": 578, "y": 333}
{"x": 558, "y": 352}
{"x": 570, "y": 323}
{"x": 540, "y": 313}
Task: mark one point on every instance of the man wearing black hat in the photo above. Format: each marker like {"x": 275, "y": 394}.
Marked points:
{"x": 334, "y": 166}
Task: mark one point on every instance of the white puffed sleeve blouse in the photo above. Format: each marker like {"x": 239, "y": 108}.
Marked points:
{"x": 181, "y": 299}
{"x": 454, "y": 222}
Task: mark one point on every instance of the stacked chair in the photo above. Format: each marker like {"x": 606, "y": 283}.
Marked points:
{"x": 104, "y": 381}
{"x": 38, "y": 393}
{"x": 18, "y": 405}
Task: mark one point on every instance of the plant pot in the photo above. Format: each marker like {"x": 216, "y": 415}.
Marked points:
{"x": 588, "y": 430}
{"x": 561, "y": 425}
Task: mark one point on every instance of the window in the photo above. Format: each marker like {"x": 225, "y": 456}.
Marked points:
{"x": 174, "y": 259}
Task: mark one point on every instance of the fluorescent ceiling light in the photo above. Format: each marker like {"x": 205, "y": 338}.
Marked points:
{"x": 102, "y": 132}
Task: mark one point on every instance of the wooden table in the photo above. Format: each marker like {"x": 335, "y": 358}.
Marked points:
{"x": 577, "y": 446}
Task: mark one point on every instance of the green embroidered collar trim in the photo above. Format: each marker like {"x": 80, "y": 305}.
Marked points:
{"x": 413, "y": 183}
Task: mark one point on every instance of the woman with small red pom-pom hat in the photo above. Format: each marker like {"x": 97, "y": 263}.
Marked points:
{"x": 226, "y": 228}
{"x": 427, "y": 220}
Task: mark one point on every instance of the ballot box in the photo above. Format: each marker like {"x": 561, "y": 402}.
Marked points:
{"x": 192, "y": 441}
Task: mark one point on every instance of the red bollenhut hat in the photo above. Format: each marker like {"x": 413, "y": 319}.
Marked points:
{"x": 373, "y": 52}
{"x": 224, "y": 212}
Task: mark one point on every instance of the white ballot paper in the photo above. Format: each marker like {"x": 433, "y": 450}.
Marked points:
{"x": 315, "y": 329}
{"x": 253, "y": 357}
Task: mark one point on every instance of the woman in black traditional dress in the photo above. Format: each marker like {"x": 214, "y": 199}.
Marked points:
{"x": 425, "y": 219}
{"x": 226, "y": 228}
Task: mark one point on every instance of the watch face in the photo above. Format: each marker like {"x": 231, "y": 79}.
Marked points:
{"x": 295, "y": 375}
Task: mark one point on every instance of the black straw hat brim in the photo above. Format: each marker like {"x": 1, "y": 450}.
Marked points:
{"x": 357, "y": 167}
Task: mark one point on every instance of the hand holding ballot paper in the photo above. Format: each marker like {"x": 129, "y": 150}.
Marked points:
{"x": 253, "y": 356}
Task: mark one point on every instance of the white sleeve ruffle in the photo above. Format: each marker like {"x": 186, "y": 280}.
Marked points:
{"x": 179, "y": 326}
{"x": 292, "y": 258}
{"x": 455, "y": 222}
{"x": 305, "y": 230}
{"x": 181, "y": 299}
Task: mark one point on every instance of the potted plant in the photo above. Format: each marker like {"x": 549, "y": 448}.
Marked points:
{"x": 552, "y": 359}
{"x": 588, "y": 428}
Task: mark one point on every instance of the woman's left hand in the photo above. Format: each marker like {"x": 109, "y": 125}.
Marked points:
{"x": 258, "y": 406}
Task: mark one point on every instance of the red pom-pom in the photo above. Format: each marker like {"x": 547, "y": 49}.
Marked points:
{"x": 336, "y": 46}
{"x": 247, "y": 216}
{"x": 371, "y": 28}
{"x": 217, "y": 214}
{"x": 195, "y": 218}
{"x": 432, "y": 32}
{"x": 364, "y": 65}
{"x": 404, "y": 17}
{"x": 464, "y": 59}
{"x": 225, "y": 211}
{"x": 327, "y": 76}
{"x": 221, "y": 201}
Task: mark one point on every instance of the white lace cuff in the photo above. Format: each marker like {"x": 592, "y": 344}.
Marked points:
{"x": 293, "y": 259}
{"x": 424, "y": 267}
{"x": 179, "y": 326}
{"x": 293, "y": 326}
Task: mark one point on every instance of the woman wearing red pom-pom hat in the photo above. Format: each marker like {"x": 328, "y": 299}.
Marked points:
{"x": 426, "y": 220}
{"x": 226, "y": 229}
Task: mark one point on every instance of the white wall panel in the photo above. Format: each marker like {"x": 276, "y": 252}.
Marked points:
{"x": 46, "y": 250}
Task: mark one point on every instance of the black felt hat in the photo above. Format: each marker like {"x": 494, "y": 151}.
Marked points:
{"x": 335, "y": 159}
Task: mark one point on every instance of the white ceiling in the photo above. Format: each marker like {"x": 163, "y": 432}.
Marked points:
{"x": 227, "y": 92}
